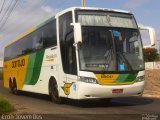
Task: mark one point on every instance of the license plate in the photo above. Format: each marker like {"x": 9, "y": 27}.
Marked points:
{"x": 117, "y": 91}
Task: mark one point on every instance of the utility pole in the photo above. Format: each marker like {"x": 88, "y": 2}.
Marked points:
{"x": 83, "y": 3}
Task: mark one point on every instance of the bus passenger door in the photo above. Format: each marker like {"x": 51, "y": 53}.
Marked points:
{"x": 68, "y": 56}
{"x": 71, "y": 66}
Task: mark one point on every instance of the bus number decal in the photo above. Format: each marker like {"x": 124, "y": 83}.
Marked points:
{"x": 106, "y": 76}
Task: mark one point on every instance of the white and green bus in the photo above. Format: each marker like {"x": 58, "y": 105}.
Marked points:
{"x": 81, "y": 53}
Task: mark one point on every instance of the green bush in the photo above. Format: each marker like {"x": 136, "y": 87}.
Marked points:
{"x": 5, "y": 106}
{"x": 150, "y": 54}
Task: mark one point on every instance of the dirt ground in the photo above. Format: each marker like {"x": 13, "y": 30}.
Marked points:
{"x": 152, "y": 85}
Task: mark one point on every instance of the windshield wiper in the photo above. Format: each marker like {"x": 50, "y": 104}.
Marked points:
{"x": 110, "y": 53}
{"x": 108, "y": 59}
{"x": 123, "y": 58}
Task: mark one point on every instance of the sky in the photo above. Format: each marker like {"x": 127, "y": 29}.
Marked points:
{"x": 28, "y": 13}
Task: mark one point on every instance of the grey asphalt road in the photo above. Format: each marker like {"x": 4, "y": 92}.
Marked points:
{"x": 130, "y": 108}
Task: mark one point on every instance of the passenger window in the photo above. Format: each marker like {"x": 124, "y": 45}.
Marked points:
{"x": 49, "y": 35}
{"x": 42, "y": 38}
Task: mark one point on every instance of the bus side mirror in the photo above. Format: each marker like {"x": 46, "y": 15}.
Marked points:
{"x": 152, "y": 34}
{"x": 77, "y": 32}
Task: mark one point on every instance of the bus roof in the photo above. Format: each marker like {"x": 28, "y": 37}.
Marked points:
{"x": 91, "y": 8}
{"x": 34, "y": 28}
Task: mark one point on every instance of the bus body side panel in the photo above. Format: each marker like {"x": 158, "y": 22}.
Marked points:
{"x": 69, "y": 88}
{"x": 39, "y": 74}
{"x": 32, "y": 72}
{"x": 15, "y": 70}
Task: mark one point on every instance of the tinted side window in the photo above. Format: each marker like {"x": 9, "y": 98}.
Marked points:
{"x": 66, "y": 44}
{"x": 41, "y": 38}
{"x": 25, "y": 45}
{"x": 49, "y": 35}
{"x": 65, "y": 26}
{"x": 37, "y": 39}
{"x": 21, "y": 47}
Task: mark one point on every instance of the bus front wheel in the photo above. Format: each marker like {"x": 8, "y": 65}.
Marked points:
{"x": 53, "y": 91}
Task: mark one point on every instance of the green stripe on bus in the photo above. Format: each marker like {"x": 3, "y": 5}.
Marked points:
{"x": 34, "y": 68}
{"x": 30, "y": 66}
{"x": 126, "y": 78}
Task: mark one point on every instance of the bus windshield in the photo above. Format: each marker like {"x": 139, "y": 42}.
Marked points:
{"x": 92, "y": 18}
{"x": 117, "y": 48}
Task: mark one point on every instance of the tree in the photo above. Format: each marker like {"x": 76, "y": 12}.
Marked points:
{"x": 150, "y": 54}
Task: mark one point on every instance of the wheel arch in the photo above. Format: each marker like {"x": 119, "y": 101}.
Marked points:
{"x": 10, "y": 82}
{"x": 52, "y": 79}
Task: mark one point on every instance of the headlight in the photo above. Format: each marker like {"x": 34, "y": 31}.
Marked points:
{"x": 140, "y": 79}
{"x": 88, "y": 80}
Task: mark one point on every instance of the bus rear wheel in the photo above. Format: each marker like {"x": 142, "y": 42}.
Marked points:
{"x": 15, "y": 90}
{"x": 11, "y": 86}
{"x": 53, "y": 91}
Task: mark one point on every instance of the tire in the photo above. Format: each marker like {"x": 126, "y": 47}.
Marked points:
{"x": 11, "y": 86}
{"x": 15, "y": 91}
{"x": 53, "y": 92}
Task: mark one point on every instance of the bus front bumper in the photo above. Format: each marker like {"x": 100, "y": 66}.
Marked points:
{"x": 90, "y": 91}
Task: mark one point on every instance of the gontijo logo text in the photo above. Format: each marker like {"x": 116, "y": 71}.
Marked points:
{"x": 51, "y": 57}
{"x": 18, "y": 63}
